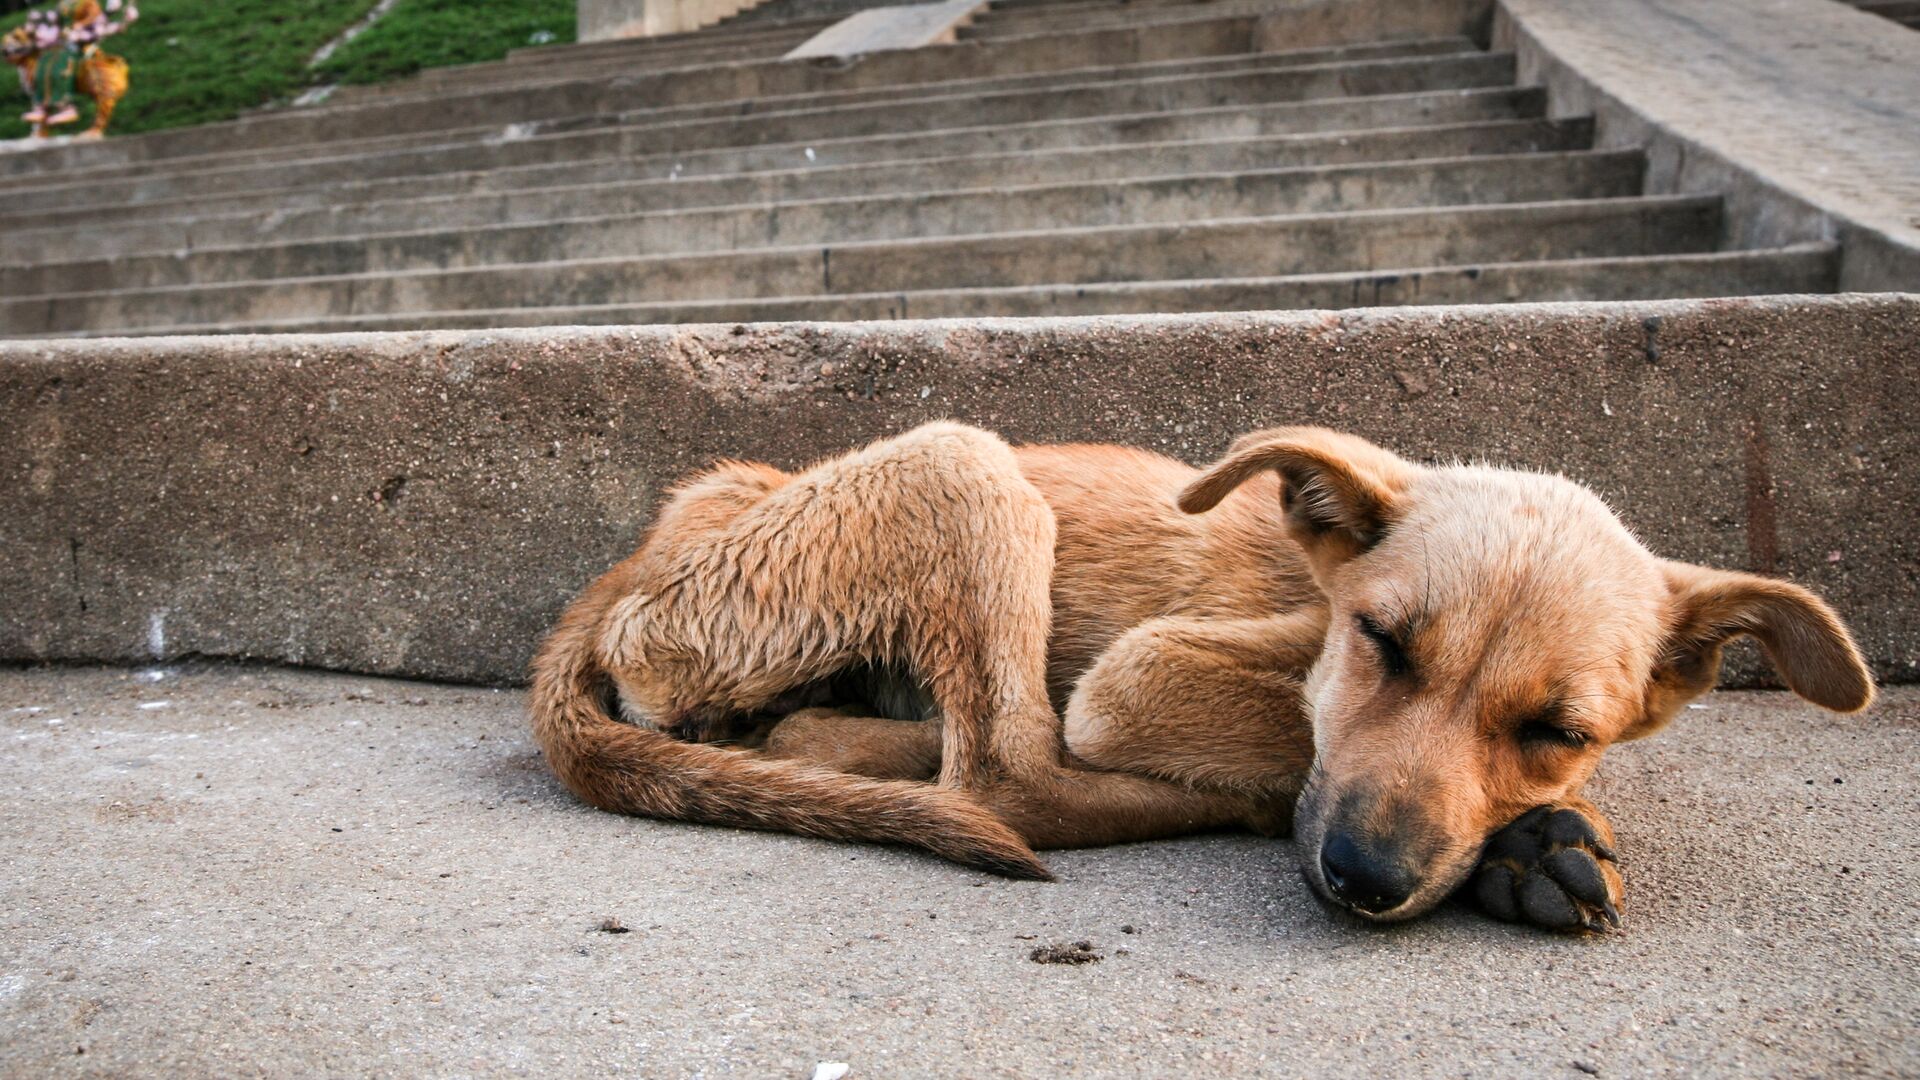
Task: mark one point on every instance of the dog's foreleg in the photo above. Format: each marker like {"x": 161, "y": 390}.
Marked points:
{"x": 1214, "y": 704}
{"x": 1553, "y": 866}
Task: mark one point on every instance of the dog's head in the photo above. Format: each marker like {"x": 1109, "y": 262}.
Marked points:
{"x": 1491, "y": 633}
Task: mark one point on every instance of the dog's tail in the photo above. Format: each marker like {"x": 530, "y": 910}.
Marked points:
{"x": 634, "y": 770}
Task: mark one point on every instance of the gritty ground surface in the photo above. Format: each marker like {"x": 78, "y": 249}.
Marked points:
{"x": 263, "y": 872}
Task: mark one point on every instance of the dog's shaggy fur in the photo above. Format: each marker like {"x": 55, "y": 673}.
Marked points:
{"x": 943, "y": 641}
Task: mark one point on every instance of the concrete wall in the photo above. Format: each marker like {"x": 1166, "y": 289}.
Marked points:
{"x": 604, "y": 20}
{"x": 423, "y": 504}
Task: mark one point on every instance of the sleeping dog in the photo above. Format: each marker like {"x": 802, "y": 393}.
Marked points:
{"x": 943, "y": 641}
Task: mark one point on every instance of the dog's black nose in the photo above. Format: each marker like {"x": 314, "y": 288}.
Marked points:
{"x": 1362, "y": 876}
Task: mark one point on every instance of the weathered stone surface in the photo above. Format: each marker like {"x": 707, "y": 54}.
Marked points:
{"x": 423, "y": 504}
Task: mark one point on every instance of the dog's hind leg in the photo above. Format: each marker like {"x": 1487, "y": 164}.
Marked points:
{"x": 930, "y": 551}
{"x": 862, "y": 745}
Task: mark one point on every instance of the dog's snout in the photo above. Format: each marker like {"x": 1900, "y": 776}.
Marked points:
{"x": 1366, "y": 876}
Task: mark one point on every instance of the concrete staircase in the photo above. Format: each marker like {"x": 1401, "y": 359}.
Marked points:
{"x": 1068, "y": 157}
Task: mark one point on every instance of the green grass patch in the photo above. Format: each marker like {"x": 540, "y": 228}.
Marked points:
{"x": 195, "y": 62}
{"x": 198, "y": 61}
{"x": 435, "y": 33}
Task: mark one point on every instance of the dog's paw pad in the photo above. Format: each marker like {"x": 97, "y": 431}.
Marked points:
{"x": 1550, "y": 868}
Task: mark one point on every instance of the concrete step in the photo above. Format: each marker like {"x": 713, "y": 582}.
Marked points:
{"x": 503, "y": 106}
{"x": 1235, "y": 63}
{"x": 1101, "y": 95}
{"x": 1184, "y": 66}
{"x": 1484, "y": 180}
{"x": 1315, "y": 25}
{"x": 153, "y": 210}
{"x": 1248, "y": 247}
{"x": 1230, "y": 121}
{"x": 591, "y": 51}
{"x": 467, "y": 77}
{"x": 482, "y": 199}
{"x": 653, "y": 114}
{"x": 462, "y": 78}
{"x": 1800, "y": 269}
{"x": 993, "y": 24}
{"x": 1008, "y": 7}
{"x": 1078, "y": 93}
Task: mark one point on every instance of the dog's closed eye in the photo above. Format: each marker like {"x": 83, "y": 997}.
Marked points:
{"x": 1393, "y": 655}
{"x": 1548, "y": 730}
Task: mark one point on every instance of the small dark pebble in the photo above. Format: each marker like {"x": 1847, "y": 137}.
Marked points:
{"x": 339, "y": 830}
{"x": 1587, "y": 1067}
{"x": 1080, "y": 952}
{"x": 1128, "y": 929}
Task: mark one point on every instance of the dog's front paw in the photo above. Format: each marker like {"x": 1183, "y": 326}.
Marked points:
{"x": 1551, "y": 867}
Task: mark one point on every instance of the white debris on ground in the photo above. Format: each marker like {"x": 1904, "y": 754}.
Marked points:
{"x": 831, "y": 1070}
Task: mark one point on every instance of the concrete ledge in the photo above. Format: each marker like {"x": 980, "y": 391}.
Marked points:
{"x": 906, "y": 26}
{"x": 1805, "y": 115}
{"x": 422, "y": 504}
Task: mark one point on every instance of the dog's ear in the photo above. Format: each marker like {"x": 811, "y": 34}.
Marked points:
{"x": 1804, "y": 640}
{"x": 1340, "y": 491}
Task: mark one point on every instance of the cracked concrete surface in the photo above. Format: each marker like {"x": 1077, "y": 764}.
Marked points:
{"x": 254, "y": 871}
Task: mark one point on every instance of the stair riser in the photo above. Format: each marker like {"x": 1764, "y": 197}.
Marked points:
{"x": 1238, "y": 249}
{"x": 1001, "y": 8}
{"x": 1339, "y": 114}
{"x": 898, "y": 96}
{"x": 1745, "y": 274}
{"x": 1187, "y": 66}
{"x": 1395, "y": 76}
{"x": 1331, "y": 22}
{"x": 461, "y": 80}
{"x": 1455, "y": 183}
{"x": 121, "y": 235}
{"x": 590, "y": 51}
{"x": 734, "y": 82}
{"x": 1234, "y": 122}
{"x": 994, "y": 26}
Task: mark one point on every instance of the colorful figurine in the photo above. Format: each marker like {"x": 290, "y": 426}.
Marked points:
{"x": 57, "y": 52}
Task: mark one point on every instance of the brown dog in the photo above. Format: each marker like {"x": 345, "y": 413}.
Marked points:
{"x": 1398, "y": 661}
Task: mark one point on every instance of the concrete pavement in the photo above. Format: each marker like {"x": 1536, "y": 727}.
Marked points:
{"x": 255, "y": 871}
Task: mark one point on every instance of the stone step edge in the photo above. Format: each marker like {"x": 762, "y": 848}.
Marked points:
{"x": 10, "y": 223}
{"x": 1522, "y": 159}
{"x": 397, "y": 321}
{"x": 1624, "y": 204}
{"x": 636, "y": 121}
